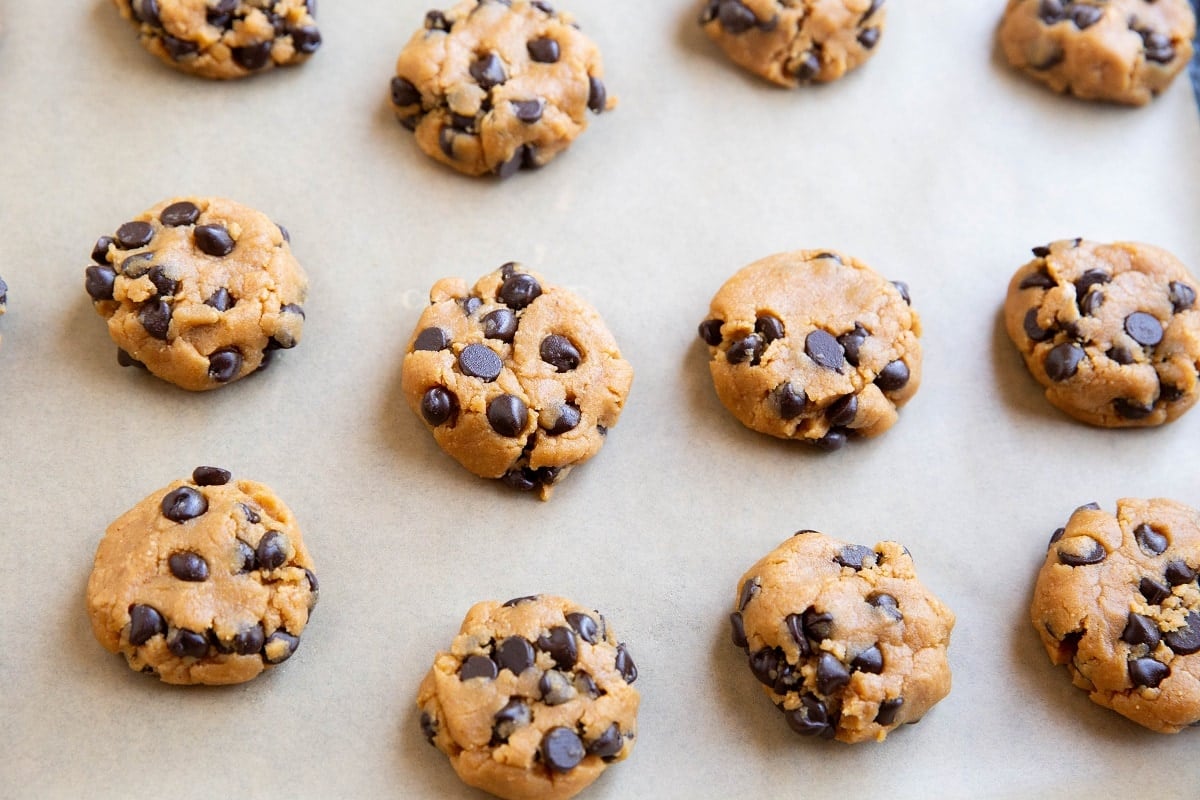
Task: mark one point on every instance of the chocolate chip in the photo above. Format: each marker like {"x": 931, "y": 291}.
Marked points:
{"x": 477, "y": 667}
{"x": 885, "y": 603}
{"x": 585, "y": 685}
{"x": 1085, "y": 16}
{"x": 893, "y": 377}
{"x": 818, "y": 626}
{"x": 748, "y": 591}
{"x": 488, "y": 71}
{"x": 608, "y": 744}
{"x": 271, "y": 552}
{"x": 825, "y": 350}
{"x": 1091, "y": 302}
{"x": 1141, "y": 630}
{"x": 179, "y": 48}
{"x": 1151, "y": 541}
{"x": 585, "y": 626}
{"x": 137, "y": 265}
{"x": 561, "y": 749}
{"x": 888, "y": 710}
{"x": 214, "y": 240}
{"x": 225, "y": 364}
{"x": 181, "y": 213}
{"x": 811, "y": 718}
{"x": 748, "y": 348}
{"x": 1147, "y": 672}
{"x": 1178, "y": 573}
{"x": 1144, "y": 328}
{"x": 433, "y": 339}
{"x": 428, "y": 727}
{"x": 1153, "y": 591}
{"x": 851, "y": 343}
{"x": 769, "y": 328}
{"x": 1081, "y": 551}
{"x": 185, "y": 644}
{"x": 789, "y": 401}
{"x": 446, "y": 137}
{"x": 528, "y": 111}
{"x": 560, "y": 643}
{"x": 855, "y": 556}
{"x": 795, "y": 628}
{"x": 738, "y": 630}
{"x": 221, "y": 300}
{"x": 245, "y": 555}
{"x": 516, "y": 601}
{"x": 166, "y": 286}
{"x": 290, "y": 642}
{"x": 806, "y": 67}
{"x": 249, "y": 641}
{"x": 765, "y": 664}
{"x": 1121, "y": 355}
{"x": 1034, "y": 331}
{"x": 515, "y": 654}
{"x": 183, "y": 504}
{"x": 98, "y": 281}
{"x": 1181, "y": 295}
{"x": 869, "y": 660}
{"x": 833, "y": 440}
{"x": 560, "y": 353}
{"x": 624, "y": 664}
{"x": 253, "y": 56}
{"x": 710, "y": 332}
{"x": 306, "y": 39}
{"x": 555, "y": 688}
{"x": 735, "y": 17}
{"x": 1130, "y": 409}
{"x": 519, "y": 290}
{"x": 437, "y": 21}
{"x": 832, "y": 674}
{"x": 902, "y": 288}
{"x": 405, "y": 92}
{"x": 1158, "y": 47}
{"x": 480, "y": 361}
{"x": 543, "y": 6}
{"x": 438, "y": 405}
{"x": 134, "y": 234}
{"x": 1051, "y": 12}
{"x": 210, "y": 476}
{"x": 1040, "y": 279}
{"x": 505, "y": 721}
{"x": 507, "y": 414}
{"x": 100, "y": 250}
{"x": 1185, "y": 640}
{"x": 544, "y": 50}
{"x": 144, "y": 624}
{"x": 597, "y": 95}
{"x": 568, "y": 419}
{"x": 869, "y": 37}
{"x": 1062, "y": 361}
{"x": 842, "y": 411}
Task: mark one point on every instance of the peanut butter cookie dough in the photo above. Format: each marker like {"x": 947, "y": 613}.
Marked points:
{"x": 518, "y": 379}
{"x": 790, "y": 42}
{"x": 813, "y": 345}
{"x": 1117, "y": 602}
{"x": 533, "y": 700}
{"x": 200, "y": 291}
{"x": 1123, "y": 51}
{"x": 225, "y": 38}
{"x": 1111, "y": 330}
{"x": 846, "y": 641}
{"x": 205, "y": 581}
{"x": 494, "y": 86}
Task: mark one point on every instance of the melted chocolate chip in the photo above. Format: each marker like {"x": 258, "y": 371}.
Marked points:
{"x": 789, "y": 401}
{"x": 608, "y": 744}
{"x": 893, "y": 377}
{"x": 132, "y": 235}
{"x": 519, "y": 290}
{"x": 434, "y": 339}
{"x": 1141, "y": 630}
{"x": 544, "y": 50}
{"x": 560, "y": 353}
{"x": 480, "y": 361}
{"x": 560, "y": 643}
{"x": 561, "y": 749}
{"x": 98, "y": 281}
{"x": 507, "y": 414}
{"x": 710, "y": 332}
{"x": 1063, "y": 361}
{"x": 1151, "y": 541}
{"x": 1147, "y": 672}
{"x": 225, "y": 364}
{"x": 438, "y": 405}
{"x": 144, "y": 624}
{"x": 1144, "y": 329}
{"x": 888, "y": 710}
{"x": 183, "y": 504}
{"x": 188, "y": 644}
{"x": 514, "y": 654}
{"x": 271, "y": 552}
{"x": 477, "y": 667}
{"x": 825, "y": 350}
{"x": 214, "y": 240}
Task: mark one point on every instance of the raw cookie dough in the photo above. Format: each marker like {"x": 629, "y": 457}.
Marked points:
{"x": 205, "y": 581}
{"x": 225, "y": 38}
{"x": 493, "y": 87}
{"x": 1124, "y": 51}
{"x": 533, "y": 700}
{"x": 845, "y": 639}
{"x": 813, "y": 345}
{"x": 1117, "y": 601}
{"x": 199, "y": 290}
{"x": 518, "y": 379}
{"x": 790, "y": 42}
{"x": 1111, "y": 330}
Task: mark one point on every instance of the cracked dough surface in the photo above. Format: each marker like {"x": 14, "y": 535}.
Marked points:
{"x": 1117, "y": 602}
{"x": 813, "y": 345}
{"x": 1123, "y": 51}
{"x": 846, "y": 641}
{"x": 533, "y": 700}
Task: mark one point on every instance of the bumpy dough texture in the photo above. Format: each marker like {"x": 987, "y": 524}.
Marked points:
{"x": 846, "y": 641}
{"x": 1111, "y": 330}
{"x": 1117, "y": 601}
{"x": 198, "y": 290}
{"x": 790, "y": 42}
{"x": 518, "y": 379}
{"x": 225, "y": 38}
{"x": 215, "y": 597}
{"x": 533, "y": 700}
{"x": 1123, "y": 51}
{"x": 491, "y": 87}
{"x": 813, "y": 345}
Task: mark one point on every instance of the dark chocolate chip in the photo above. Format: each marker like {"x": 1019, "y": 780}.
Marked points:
{"x": 291, "y": 642}
{"x": 1130, "y": 409}
{"x": 560, "y": 353}
{"x": 166, "y": 286}
{"x": 842, "y": 411}
{"x": 515, "y": 654}
{"x": 825, "y": 350}
{"x": 210, "y": 476}
{"x": 624, "y": 664}
{"x": 146, "y": 11}
{"x": 710, "y": 332}
{"x": 735, "y": 17}
{"x": 137, "y": 265}
{"x": 98, "y": 281}
{"x": 1121, "y": 355}
{"x": 568, "y": 419}
{"x": 544, "y": 50}
{"x": 555, "y": 688}
{"x": 405, "y": 92}
{"x": 245, "y": 554}
{"x": 749, "y": 589}
{"x": 1093, "y": 277}
{"x": 746, "y": 349}
{"x": 818, "y": 626}
{"x": 221, "y": 300}
{"x": 1085, "y": 16}
{"x": 252, "y": 57}
{"x": 832, "y": 674}
{"x": 507, "y": 414}
{"x": 585, "y": 626}
{"x": 1168, "y": 393}
{"x": 765, "y": 664}
{"x": 519, "y": 290}
{"x": 585, "y": 685}
{"x": 833, "y": 440}
{"x": 1151, "y": 541}
{"x": 1178, "y": 573}
{"x": 852, "y": 341}
{"x": 134, "y": 234}
{"x": 1040, "y": 279}
{"x": 306, "y": 39}
{"x": 225, "y": 364}
{"x": 1090, "y": 303}
{"x": 185, "y": 643}
{"x": 516, "y": 601}
{"x": 183, "y": 504}
{"x": 1034, "y": 331}
{"x": 251, "y": 515}
{"x": 597, "y": 95}
{"x": 1181, "y": 295}
{"x": 789, "y": 401}
{"x": 738, "y": 630}
{"x": 181, "y": 213}
{"x": 1141, "y": 630}
{"x": 562, "y": 749}
{"x": 893, "y": 377}
{"x": 1185, "y": 640}
{"x": 869, "y": 660}
{"x": 437, "y": 21}
{"x": 1158, "y": 47}
{"x": 806, "y": 67}
{"x": 1084, "y": 551}
{"x": 480, "y": 361}
{"x": 477, "y": 667}
{"x": 1147, "y": 672}
{"x": 769, "y": 327}
{"x": 505, "y": 721}
{"x": 885, "y": 603}
{"x": 214, "y": 240}
{"x": 434, "y": 339}
{"x": 528, "y": 111}
{"x": 144, "y": 624}
{"x": 438, "y": 405}
{"x": 811, "y": 718}
{"x": 562, "y": 646}
{"x": 428, "y": 727}
{"x": 543, "y": 6}
{"x": 1063, "y": 361}
{"x": 446, "y": 137}
{"x": 1052, "y": 12}
{"x": 1144, "y": 328}
{"x": 888, "y": 710}
{"x": 271, "y": 552}
{"x": 869, "y": 37}
{"x": 500, "y": 324}
{"x": 795, "y": 628}
{"x": 100, "y": 250}
{"x": 1153, "y": 591}
{"x": 249, "y": 641}
{"x": 488, "y": 71}
{"x": 608, "y": 744}
{"x": 855, "y": 556}
{"x": 902, "y": 288}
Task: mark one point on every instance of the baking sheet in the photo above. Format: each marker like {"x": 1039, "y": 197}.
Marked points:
{"x": 933, "y": 163}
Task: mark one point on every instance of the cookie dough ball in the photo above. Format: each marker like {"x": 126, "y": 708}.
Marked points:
{"x": 518, "y": 379}
{"x": 533, "y": 700}
{"x": 1111, "y": 330}
{"x": 790, "y": 42}
{"x": 1123, "y": 51}
{"x": 1117, "y": 602}
{"x": 198, "y": 290}
{"x": 813, "y": 345}
{"x": 225, "y": 38}
{"x": 205, "y": 581}
{"x": 847, "y": 643}
{"x": 493, "y": 86}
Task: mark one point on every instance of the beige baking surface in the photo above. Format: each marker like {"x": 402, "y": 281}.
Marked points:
{"x": 933, "y": 163}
